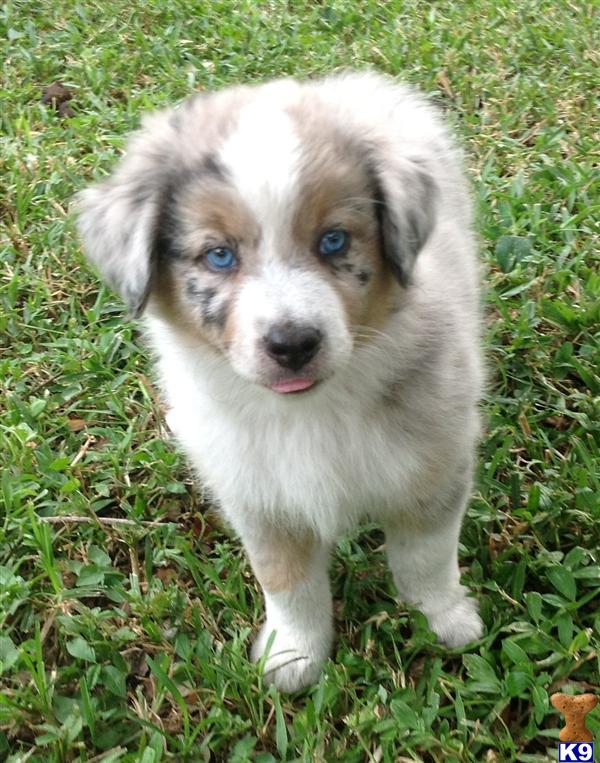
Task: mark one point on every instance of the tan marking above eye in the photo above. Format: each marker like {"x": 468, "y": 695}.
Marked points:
{"x": 216, "y": 214}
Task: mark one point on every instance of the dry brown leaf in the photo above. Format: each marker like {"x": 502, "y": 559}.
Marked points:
{"x": 443, "y": 82}
{"x": 76, "y": 425}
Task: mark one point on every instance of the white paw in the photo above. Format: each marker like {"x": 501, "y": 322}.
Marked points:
{"x": 294, "y": 661}
{"x": 458, "y": 625}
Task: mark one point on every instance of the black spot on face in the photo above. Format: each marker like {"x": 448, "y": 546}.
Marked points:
{"x": 205, "y": 298}
{"x": 219, "y": 316}
{"x": 340, "y": 266}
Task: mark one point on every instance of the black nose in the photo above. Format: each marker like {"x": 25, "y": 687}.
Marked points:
{"x": 292, "y": 346}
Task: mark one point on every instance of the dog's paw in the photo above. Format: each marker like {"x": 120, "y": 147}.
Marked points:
{"x": 294, "y": 660}
{"x": 457, "y": 625}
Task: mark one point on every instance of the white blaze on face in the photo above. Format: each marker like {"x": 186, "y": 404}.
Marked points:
{"x": 262, "y": 156}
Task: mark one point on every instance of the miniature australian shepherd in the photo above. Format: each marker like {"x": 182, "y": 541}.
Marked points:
{"x": 302, "y": 257}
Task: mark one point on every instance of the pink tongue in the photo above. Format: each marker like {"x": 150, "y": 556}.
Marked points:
{"x": 292, "y": 385}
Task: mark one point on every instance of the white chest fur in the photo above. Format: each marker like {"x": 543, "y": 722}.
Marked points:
{"x": 321, "y": 460}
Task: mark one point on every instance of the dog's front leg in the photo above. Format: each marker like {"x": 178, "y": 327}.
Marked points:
{"x": 292, "y": 570}
{"x": 423, "y": 557}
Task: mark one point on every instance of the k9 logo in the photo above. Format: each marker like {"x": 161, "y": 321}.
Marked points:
{"x": 575, "y": 751}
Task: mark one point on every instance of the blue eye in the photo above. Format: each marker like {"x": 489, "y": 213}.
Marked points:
{"x": 221, "y": 258}
{"x": 333, "y": 241}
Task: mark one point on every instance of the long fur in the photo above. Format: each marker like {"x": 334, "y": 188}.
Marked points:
{"x": 389, "y": 432}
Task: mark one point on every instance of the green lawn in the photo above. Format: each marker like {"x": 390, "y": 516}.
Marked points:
{"x": 128, "y": 642}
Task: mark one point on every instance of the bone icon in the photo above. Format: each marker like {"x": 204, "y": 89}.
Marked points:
{"x": 574, "y": 709}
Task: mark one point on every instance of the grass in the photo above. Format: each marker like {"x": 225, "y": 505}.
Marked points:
{"x": 128, "y": 642}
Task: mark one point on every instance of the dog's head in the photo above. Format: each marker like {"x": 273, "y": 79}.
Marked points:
{"x": 279, "y": 224}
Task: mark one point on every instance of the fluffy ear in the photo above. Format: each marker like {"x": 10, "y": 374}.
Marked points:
{"x": 406, "y": 196}
{"x": 118, "y": 219}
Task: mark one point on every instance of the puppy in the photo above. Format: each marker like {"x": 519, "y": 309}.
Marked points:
{"x": 303, "y": 259}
